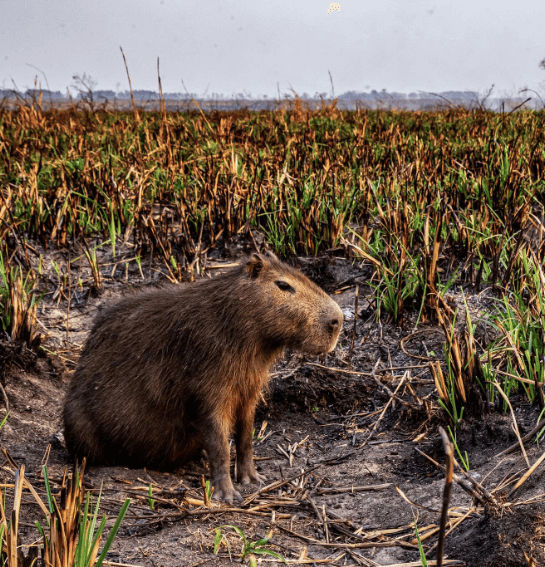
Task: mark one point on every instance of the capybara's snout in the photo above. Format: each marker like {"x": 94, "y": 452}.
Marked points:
{"x": 326, "y": 329}
{"x": 334, "y": 324}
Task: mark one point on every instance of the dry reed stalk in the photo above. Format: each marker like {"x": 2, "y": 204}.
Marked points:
{"x": 393, "y": 396}
{"x": 451, "y": 562}
{"x": 481, "y": 496}
{"x": 351, "y": 351}
{"x": 359, "y": 545}
{"x": 439, "y": 381}
{"x": 409, "y": 337}
{"x": 526, "y": 475}
{"x": 134, "y": 111}
{"x": 353, "y": 489}
{"x": 60, "y": 548}
{"x": 368, "y": 257}
{"x": 454, "y": 524}
{"x": 527, "y": 437}
{"x": 356, "y": 373}
{"x": 12, "y": 534}
{"x": 449, "y": 465}
{"x": 455, "y": 354}
{"x": 515, "y": 425}
{"x": 206, "y": 494}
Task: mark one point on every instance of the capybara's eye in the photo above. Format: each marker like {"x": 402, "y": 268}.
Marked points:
{"x": 285, "y": 286}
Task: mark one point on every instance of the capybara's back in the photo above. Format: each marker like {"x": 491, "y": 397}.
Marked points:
{"x": 169, "y": 371}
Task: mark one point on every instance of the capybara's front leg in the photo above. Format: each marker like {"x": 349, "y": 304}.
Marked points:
{"x": 216, "y": 443}
{"x": 246, "y": 471}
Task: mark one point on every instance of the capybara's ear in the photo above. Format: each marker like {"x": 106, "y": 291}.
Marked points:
{"x": 255, "y": 265}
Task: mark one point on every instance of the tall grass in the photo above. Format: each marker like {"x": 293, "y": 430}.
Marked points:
{"x": 300, "y": 177}
{"x": 71, "y": 534}
{"x": 18, "y": 303}
{"x": 433, "y": 200}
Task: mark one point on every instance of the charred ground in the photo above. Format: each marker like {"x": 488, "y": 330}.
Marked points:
{"x": 320, "y": 414}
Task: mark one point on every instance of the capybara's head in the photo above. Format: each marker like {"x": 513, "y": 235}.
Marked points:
{"x": 290, "y": 309}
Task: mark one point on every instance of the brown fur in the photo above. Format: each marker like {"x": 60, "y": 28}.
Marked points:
{"x": 167, "y": 372}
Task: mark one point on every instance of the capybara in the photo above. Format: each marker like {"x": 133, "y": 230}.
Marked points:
{"x": 167, "y": 372}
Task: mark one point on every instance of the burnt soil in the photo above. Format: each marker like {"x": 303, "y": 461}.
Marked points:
{"x": 321, "y": 428}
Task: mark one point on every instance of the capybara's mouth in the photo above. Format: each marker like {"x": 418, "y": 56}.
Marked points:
{"x": 331, "y": 347}
{"x": 321, "y": 350}
{"x": 316, "y": 352}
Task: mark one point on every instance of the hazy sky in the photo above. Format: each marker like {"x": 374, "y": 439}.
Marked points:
{"x": 249, "y": 46}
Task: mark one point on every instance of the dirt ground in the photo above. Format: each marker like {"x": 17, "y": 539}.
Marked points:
{"x": 346, "y": 455}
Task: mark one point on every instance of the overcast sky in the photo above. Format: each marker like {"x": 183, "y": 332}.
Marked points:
{"x": 248, "y": 46}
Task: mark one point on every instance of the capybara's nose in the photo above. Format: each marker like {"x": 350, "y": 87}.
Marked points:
{"x": 334, "y": 325}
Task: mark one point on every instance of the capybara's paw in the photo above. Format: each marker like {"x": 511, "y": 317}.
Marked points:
{"x": 226, "y": 493}
{"x": 248, "y": 476}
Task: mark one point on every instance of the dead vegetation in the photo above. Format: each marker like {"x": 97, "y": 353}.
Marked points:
{"x": 440, "y": 215}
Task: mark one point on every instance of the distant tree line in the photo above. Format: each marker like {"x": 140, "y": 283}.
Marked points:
{"x": 142, "y": 94}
